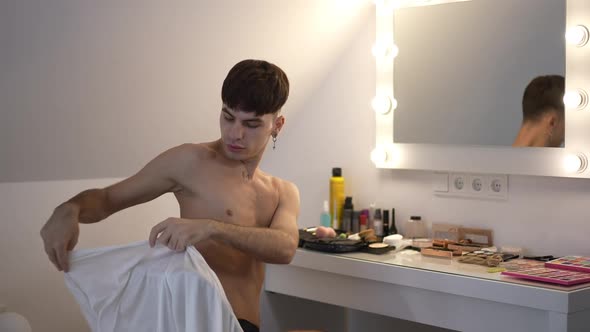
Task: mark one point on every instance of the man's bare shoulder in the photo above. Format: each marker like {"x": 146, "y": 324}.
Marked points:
{"x": 279, "y": 185}
{"x": 193, "y": 152}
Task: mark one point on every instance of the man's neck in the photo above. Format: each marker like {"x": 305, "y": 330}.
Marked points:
{"x": 251, "y": 166}
{"x": 531, "y": 135}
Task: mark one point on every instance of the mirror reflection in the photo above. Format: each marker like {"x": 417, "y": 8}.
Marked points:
{"x": 463, "y": 68}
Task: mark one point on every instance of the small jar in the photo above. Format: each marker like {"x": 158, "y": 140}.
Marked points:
{"x": 415, "y": 228}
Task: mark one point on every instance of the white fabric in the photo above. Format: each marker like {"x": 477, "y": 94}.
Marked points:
{"x": 138, "y": 288}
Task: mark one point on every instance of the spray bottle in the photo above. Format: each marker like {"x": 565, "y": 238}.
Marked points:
{"x": 336, "y": 197}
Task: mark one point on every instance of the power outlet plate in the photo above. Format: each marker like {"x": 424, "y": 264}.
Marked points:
{"x": 477, "y": 186}
{"x": 458, "y": 183}
{"x": 498, "y": 186}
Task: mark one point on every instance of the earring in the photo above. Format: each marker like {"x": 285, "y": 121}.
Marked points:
{"x": 274, "y": 141}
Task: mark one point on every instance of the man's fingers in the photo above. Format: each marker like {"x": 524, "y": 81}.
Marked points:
{"x": 62, "y": 258}
{"x": 172, "y": 244}
{"x": 72, "y": 243}
{"x": 164, "y": 238}
{"x": 52, "y": 257}
{"x": 155, "y": 231}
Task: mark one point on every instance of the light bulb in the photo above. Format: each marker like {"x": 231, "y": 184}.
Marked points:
{"x": 394, "y": 51}
{"x": 575, "y": 99}
{"x": 577, "y": 35}
{"x": 575, "y": 163}
{"x": 386, "y": 4}
{"x": 383, "y": 104}
{"x": 378, "y": 156}
{"x": 385, "y": 49}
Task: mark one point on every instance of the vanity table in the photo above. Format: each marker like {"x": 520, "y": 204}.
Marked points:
{"x": 434, "y": 291}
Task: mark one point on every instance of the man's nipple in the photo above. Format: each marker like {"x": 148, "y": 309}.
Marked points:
{"x": 229, "y": 212}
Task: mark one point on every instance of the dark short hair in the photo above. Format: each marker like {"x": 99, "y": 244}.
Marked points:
{"x": 543, "y": 94}
{"x": 255, "y": 86}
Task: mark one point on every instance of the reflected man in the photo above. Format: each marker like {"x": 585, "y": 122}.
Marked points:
{"x": 543, "y": 123}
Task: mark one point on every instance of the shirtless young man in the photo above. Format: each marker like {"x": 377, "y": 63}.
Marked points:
{"x": 237, "y": 216}
{"x": 543, "y": 113}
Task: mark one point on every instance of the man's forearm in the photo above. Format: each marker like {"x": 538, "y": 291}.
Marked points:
{"x": 90, "y": 206}
{"x": 268, "y": 245}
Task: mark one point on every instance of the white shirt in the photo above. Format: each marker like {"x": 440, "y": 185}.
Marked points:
{"x": 138, "y": 288}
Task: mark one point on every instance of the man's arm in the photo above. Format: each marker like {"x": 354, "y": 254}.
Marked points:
{"x": 60, "y": 232}
{"x": 276, "y": 244}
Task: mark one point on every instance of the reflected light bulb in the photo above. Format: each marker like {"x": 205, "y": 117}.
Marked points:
{"x": 384, "y": 49}
{"x": 575, "y": 163}
{"x": 383, "y": 104}
{"x": 394, "y": 50}
{"x": 385, "y": 5}
{"x": 575, "y": 99}
{"x": 378, "y": 156}
{"x": 577, "y": 35}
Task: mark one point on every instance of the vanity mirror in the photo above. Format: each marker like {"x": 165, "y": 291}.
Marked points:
{"x": 459, "y": 69}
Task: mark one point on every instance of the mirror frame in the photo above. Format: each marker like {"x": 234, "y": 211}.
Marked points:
{"x": 486, "y": 159}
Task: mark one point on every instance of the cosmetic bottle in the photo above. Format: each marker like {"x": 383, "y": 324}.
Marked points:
{"x": 392, "y": 227}
{"x": 371, "y": 216}
{"x": 385, "y": 222}
{"x": 378, "y": 223}
{"x": 336, "y": 197}
{"x": 363, "y": 222}
{"x": 415, "y": 228}
{"x": 347, "y": 215}
{"x": 325, "y": 218}
{"x": 356, "y": 216}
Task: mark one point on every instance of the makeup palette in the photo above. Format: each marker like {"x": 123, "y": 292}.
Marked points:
{"x": 573, "y": 263}
{"x": 551, "y": 275}
{"x": 521, "y": 264}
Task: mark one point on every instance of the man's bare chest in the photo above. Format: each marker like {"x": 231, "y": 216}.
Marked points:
{"x": 228, "y": 197}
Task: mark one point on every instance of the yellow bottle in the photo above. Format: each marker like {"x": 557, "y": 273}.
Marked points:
{"x": 336, "y": 197}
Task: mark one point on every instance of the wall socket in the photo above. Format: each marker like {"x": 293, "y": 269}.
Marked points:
{"x": 480, "y": 186}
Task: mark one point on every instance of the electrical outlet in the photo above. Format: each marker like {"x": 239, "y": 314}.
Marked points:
{"x": 458, "y": 183}
{"x": 498, "y": 186}
{"x": 477, "y": 184}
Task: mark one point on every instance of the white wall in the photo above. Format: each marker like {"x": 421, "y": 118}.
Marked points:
{"x": 332, "y": 126}
{"x": 87, "y": 82}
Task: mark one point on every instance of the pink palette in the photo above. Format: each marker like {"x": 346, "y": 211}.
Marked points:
{"x": 554, "y": 276}
{"x": 573, "y": 263}
{"x": 521, "y": 264}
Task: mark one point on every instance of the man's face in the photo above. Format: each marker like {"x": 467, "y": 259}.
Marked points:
{"x": 245, "y": 135}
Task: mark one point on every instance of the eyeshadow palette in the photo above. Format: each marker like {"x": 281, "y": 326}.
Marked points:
{"x": 521, "y": 264}
{"x": 573, "y": 263}
{"x": 550, "y": 275}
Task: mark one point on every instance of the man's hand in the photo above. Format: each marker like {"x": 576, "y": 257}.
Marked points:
{"x": 60, "y": 234}
{"x": 178, "y": 233}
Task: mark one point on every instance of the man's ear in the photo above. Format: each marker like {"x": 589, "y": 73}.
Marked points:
{"x": 552, "y": 119}
{"x": 278, "y": 124}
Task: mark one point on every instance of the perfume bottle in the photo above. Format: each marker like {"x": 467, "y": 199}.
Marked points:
{"x": 325, "y": 219}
